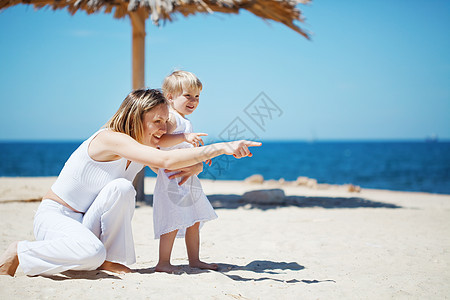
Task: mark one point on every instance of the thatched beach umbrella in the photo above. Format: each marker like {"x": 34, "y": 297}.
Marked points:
{"x": 283, "y": 11}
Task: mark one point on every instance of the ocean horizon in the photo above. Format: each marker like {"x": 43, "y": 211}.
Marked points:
{"x": 402, "y": 165}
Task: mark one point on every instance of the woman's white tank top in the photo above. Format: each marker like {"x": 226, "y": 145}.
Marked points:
{"x": 82, "y": 178}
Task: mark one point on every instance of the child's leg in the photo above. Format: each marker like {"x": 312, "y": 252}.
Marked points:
{"x": 192, "y": 239}
{"x": 165, "y": 251}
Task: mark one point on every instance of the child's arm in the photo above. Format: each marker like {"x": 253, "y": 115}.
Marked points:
{"x": 168, "y": 140}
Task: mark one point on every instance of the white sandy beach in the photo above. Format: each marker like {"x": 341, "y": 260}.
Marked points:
{"x": 320, "y": 244}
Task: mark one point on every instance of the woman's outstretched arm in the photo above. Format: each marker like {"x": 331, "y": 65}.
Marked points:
{"x": 109, "y": 145}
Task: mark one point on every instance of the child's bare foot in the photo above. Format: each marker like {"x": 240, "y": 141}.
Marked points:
{"x": 167, "y": 268}
{"x": 9, "y": 261}
{"x": 202, "y": 265}
{"x": 114, "y": 267}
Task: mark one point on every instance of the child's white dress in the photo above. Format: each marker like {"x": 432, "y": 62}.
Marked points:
{"x": 179, "y": 207}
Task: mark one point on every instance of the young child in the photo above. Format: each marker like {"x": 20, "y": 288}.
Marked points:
{"x": 180, "y": 208}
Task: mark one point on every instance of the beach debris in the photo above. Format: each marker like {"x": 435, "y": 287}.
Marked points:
{"x": 256, "y": 178}
{"x": 324, "y": 186}
{"x": 21, "y": 200}
{"x": 312, "y": 183}
{"x": 247, "y": 206}
{"x": 273, "y": 196}
{"x": 353, "y": 188}
{"x": 301, "y": 180}
{"x": 272, "y": 182}
{"x": 305, "y": 181}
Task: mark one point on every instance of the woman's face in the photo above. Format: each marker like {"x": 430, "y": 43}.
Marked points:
{"x": 155, "y": 124}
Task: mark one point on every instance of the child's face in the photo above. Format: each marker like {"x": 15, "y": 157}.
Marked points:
{"x": 187, "y": 102}
{"x": 154, "y": 122}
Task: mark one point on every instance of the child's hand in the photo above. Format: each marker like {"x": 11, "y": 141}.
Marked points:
{"x": 195, "y": 138}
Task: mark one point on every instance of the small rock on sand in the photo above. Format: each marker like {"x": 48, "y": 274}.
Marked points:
{"x": 305, "y": 181}
{"x": 354, "y": 188}
{"x": 257, "y": 178}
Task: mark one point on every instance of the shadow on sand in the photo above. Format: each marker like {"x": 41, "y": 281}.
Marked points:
{"x": 232, "y": 201}
{"x": 268, "y": 268}
{"x": 89, "y": 275}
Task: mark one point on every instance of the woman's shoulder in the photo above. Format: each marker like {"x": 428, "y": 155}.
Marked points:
{"x": 110, "y": 136}
{"x": 106, "y": 142}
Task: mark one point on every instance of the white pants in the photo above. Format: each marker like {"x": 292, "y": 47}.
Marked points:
{"x": 66, "y": 240}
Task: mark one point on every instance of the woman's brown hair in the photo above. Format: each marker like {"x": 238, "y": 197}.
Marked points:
{"x": 129, "y": 116}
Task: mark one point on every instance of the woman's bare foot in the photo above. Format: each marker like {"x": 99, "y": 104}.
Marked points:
{"x": 114, "y": 267}
{"x": 202, "y": 265}
{"x": 9, "y": 261}
{"x": 167, "y": 268}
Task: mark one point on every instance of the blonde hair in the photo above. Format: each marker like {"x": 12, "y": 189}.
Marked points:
{"x": 129, "y": 116}
{"x": 175, "y": 82}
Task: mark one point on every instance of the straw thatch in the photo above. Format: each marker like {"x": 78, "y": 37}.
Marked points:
{"x": 277, "y": 10}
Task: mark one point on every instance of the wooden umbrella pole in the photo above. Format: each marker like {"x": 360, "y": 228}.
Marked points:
{"x": 138, "y": 52}
{"x": 138, "y": 62}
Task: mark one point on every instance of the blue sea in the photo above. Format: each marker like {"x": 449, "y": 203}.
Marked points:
{"x": 403, "y": 166}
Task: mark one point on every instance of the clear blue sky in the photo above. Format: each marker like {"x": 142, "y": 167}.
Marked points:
{"x": 373, "y": 70}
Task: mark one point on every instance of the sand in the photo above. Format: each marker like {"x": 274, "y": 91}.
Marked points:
{"x": 318, "y": 244}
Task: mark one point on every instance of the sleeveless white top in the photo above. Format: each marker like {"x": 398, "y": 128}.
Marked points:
{"x": 82, "y": 178}
{"x": 179, "y": 207}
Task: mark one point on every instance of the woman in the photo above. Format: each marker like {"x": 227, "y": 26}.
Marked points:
{"x": 84, "y": 221}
